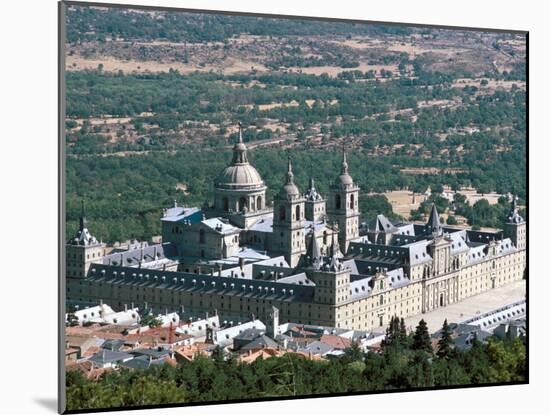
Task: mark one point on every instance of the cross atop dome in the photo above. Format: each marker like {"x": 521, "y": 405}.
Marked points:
{"x": 344, "y": 161}
{"x": 289, "y": 174}
{"x": 239, "y": 149}
{"x": 289, "y": 189}
{"x": 344, "y": 180}
{"x": 240, "y": 132}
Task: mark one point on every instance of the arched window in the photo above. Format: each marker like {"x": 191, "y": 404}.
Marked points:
{"x": 242, "y": 204}
{"x": 259, "y": 203}
{"x": 282, "y": 213}
{"x": 352, "y": 201}
{"x": 298, "y": 217}
{"x": 225, "y": 203}
{"x": 202, "y": 237}
{"x": 338, "y": 201}
{"x": 253, "y": 204}
{"x": 325, "y": 237}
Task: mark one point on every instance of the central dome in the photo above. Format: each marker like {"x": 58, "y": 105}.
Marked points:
{"x": 238, "y": 176}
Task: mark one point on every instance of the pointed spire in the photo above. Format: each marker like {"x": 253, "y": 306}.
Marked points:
{"x": 433, "y": 222}
{"x": 82, "y": 216}
{"x": 335, "y": 247}
{"x": 344, "y": 180}
{"x": 311, "y": 194}
{"x": 335, "y": 254}
{"x": 334, "y": 264}
{"x": 514, "y": 216}
{"x": 315, "y": 251}
{"x": 289, "y": 190}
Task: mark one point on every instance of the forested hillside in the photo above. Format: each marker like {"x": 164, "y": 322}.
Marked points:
{"x": 153, "y": 100}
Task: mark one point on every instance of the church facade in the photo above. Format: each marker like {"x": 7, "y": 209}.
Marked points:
{"x": 304, "y": 254}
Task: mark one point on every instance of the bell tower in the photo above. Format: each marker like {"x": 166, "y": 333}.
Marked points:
{"x": 343, "y": 206}
{"x": 515, "y": 227}
{"x": 82, "y": 250}
{"x": 288, "y": 221}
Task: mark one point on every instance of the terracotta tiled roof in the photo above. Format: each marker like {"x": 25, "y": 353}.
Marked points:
{"x": 262, "y": 353}
{"x": 336, "y": 341}
{"x": 171, "y": 362}
{"x": 301, "y": 331}
{"x": 86, "y": 367}
{"x": 189, "y": 352}
{"x": 309, "y": 356}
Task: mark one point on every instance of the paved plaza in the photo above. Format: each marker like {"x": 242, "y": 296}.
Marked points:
{"x": 471, "y": 307}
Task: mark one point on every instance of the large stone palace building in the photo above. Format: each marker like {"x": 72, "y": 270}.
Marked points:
{"x": 305, "y": 254}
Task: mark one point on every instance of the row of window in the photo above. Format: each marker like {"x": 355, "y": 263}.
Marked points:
{"x": 243, "y": 202}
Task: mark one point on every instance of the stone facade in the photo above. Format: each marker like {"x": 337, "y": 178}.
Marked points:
{"x": 252, "y": 258}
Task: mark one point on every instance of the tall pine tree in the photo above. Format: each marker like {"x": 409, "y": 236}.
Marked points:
{"x": 394, "y": 336}
{"x": 421, "y": 338}
{"x": 445, "y": 344}
{"x": 402, "y": 332}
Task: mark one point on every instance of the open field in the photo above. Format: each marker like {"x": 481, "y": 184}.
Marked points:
{"x": 333, "y": 71}
{"x": 402, "y": 200}
{"x": 473, "y": 196}
{"x": 431, "y": 170}
{"x": 110, "y": 64}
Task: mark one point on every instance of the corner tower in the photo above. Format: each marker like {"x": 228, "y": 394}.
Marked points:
{"x": 82, "y": 250}
{"x": 288, "y": 221}
{"x": 331, "y": 277}
{"x": 343, "y": 206}
{"x": 515, "y": 227}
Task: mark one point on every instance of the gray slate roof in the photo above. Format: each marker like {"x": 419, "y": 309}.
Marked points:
{"x": 142, "y": 363}
{"x": 178, "y": 213}
{"x": 108, "y": 356}
{"x": 260, "y": 342}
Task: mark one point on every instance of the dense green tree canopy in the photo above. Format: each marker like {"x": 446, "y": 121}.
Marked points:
{"x": 222, "y": 378}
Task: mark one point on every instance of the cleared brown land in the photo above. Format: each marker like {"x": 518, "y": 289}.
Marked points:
{"x": 431, "y": 170}
{"x": 402, "y": 200}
